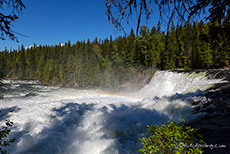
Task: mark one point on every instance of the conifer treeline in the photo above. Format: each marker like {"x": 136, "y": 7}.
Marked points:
{"x": 110, "y": 62}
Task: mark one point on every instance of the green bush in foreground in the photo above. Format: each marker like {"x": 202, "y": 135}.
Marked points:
{"x": 4, "y": 140}
{"x": 172, "y": 138}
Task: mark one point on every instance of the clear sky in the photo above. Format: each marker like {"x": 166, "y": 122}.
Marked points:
{"x": 50, "y": 22}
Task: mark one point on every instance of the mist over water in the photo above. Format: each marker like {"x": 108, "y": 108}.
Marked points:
{"x": 64, "y": 120}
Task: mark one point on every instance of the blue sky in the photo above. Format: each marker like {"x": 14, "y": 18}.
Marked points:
{"x": 50, "y": 22}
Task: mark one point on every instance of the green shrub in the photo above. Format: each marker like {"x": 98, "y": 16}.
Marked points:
{"x": 172, "y": 138}
{"x": 2, "y": 75}
{"x": 4, "y": 140}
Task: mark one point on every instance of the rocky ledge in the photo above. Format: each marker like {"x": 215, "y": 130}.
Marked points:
{"x": 215, "y": 126}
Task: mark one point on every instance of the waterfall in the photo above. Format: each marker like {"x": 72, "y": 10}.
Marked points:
{"x": 65, "y": 120}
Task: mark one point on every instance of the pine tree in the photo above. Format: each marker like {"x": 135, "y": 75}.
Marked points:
{"x": 110, "y": 48}
{"x": 143, "y": 43}
{"x": 118, "y": 56}
{"x": 205, "y": 50}
{"x": 159, "y": 26}
{"x": 71, "y": 64}
{"x": 22, "y": 62}
{"x": 157, "y": 46}
{"x": 3, "y": 61}
{"x": 172, "y": 47}
{"x": 186, "y": 38}
{"x": 165, "y": 53}
{"x": 40, "y": 58}
{"x": 195, "y": 58}
{"x": 130, "y": 52}
{"x": 48, "y": 72}
{"x": 181, "y": 58}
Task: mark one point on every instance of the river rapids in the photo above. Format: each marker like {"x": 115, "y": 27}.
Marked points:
{"x": 72, "y": 121}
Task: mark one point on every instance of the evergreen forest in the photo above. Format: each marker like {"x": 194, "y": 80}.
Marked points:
{"x": 111, "y": 62}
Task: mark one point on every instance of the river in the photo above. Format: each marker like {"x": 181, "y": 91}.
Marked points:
{"x": 72, "y": 121}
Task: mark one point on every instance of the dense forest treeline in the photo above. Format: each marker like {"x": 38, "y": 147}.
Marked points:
{"x": 110, "y": 62}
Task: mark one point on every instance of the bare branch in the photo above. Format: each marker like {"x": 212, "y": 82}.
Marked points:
{"x": 123, "y": 11}
{"x": 6, "y": 20}
{"x": 184, "y": 10}
{"x": 139, "y": 20}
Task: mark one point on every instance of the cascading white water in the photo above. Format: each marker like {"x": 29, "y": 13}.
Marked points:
{"x": 63, "y": 120}
{"x": 166, "y": 83}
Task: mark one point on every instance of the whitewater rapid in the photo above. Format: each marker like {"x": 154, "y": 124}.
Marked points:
{"x": 71, "y": 121}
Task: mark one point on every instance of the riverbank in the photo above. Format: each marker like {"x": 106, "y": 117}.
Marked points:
{"x": 215, "y": 126}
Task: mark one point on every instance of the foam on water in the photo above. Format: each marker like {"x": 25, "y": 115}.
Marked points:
{"x": 166, "y": 83}
{"x": 64, "y": 120}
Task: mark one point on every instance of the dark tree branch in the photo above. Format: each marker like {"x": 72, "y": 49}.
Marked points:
{"x": 139, "y": 20}
{"x": 14, "y": 7}
{"x": 184, "y": 10}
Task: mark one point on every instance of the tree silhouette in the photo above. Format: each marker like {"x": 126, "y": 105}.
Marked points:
{"x": 9, "y": 12}
{"x": 184, "y": 10}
